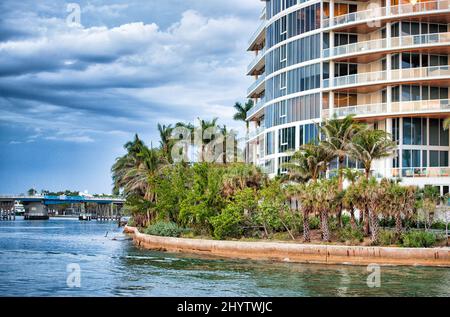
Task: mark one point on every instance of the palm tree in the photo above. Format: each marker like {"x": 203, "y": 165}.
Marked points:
{"x": 166, "y": 142}
{"x": 242, "y": 110}
{"x": 305, "y": 194}
{"x": 327, "y": 201}
{"x": 352, "y": 175}
{"x": 205, "y": 125}
{"x": 136, "y": 171}
{"x": 239, "y": 176}
{"x": 308, "y": 162}
{"x": 370, "y": 145}
{"x": 400, "y": 200}
{"x": 366, "y": 147}
{"x": 339, "y": 134}
{"x": 376, "y": 200}
{"x": 228, "y": 135}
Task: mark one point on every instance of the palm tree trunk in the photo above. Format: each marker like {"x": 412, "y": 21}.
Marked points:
{"x": 366, "y": 221}
{"x": 306, "y": 230}
{"x": 340, "y": 188}
{"x": 374, "y": 227}
{"x": 224, "y": 152}
{"x": 325, "y": 229}
{"x": 352, "y": 217}
{"x": 339, "y": 216}
{"x": 398, "y": 225}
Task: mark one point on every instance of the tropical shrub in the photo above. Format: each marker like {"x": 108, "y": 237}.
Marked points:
{"x": 229, "y": 223}
{"x": 203, "y": 199}
{"x": 347, "y": 234}
{"x": 172, "y": 188}
{"x": 388, "y": 237}
{"x": 418, "y": 239}
{"x": 271, "y": 208}
{"x": 439, "y": 225}
{"x": 164, "y": 229}
{"x": 314, "y": 222}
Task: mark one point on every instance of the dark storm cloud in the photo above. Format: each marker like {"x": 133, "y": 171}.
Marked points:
{"x": 128, "y": 66}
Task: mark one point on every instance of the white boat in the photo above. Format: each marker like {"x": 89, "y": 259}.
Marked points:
{"x": 85, "y": 217}
{"x": 19, "y": 208}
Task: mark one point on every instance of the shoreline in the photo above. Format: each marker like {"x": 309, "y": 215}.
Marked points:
{"x": 294, "y": 252}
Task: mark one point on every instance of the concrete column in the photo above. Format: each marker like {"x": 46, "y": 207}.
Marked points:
{"x": 275, "y": 135}
{"x": 388, "y": 34}
{"x": 388, "y": 7}
{"x": 331, "y": 12}
{"x": 388, "y": 161}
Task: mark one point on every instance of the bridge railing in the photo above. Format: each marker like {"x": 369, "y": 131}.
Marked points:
{"x": 63, "y": 197}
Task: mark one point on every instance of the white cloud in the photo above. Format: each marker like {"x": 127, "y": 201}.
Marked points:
{"x": 128, "y": 76}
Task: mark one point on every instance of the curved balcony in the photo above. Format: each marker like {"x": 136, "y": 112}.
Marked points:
{"x": 257, "y": 87}
{"x": 257, "y": 62}
{"x": 372, "y": 78}
{"x": 406, "y": 42}
{"x": 396, "y": 108}
{"x": 258, "y": 36}
{"x": 375, "y": 13}
{"x": 255, "y": 133}
{"x": 256, "y": 108}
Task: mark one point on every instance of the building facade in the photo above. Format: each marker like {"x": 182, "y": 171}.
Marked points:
{"x": 385, "y": 61}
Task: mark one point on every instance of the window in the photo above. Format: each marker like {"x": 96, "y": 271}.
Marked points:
{"x": 296, "y": 109}
{"x": 283, "y": 29}
{"x": 270, "y": 143}
{"x": 345, "y": 69}
{"x": 281, "y": 161}
{"x": 411, "y": 158}
{"x": 414, "y": 131}
{"x": 439, "y": 159}
{"x": 286, "y": 138}
{"x": 344, "y": 39}
{"x": 438, "y": 136}
{"x": 283, "y": 79}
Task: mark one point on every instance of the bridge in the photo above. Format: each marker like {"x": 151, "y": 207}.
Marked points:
{"x": 37, "y": 207}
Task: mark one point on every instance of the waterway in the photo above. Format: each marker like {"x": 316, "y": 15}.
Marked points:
{"x": 53, "y": 258}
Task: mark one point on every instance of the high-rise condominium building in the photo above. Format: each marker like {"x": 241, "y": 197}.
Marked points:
{"x": 385, "y": 61}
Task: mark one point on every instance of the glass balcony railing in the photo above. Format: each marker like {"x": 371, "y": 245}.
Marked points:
{"x": 256, "y": 60}
{"x": 256, "y": 107}
{"x": 393, "y": 75}
{"x": 437, "y": 105}
{"x": 376, "y": 13}
{"x": 421, "y": 172}
{"x": 258, "y": 31}
{"x": 256, "y": 84}
{"x": 253, "y": 134}
{"x": 382, "y": 44}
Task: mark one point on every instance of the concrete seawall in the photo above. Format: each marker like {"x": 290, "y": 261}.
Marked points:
{"x": 293, "y": 252}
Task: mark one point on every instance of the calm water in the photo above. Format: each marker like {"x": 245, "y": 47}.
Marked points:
{"x": 34, "y": 258}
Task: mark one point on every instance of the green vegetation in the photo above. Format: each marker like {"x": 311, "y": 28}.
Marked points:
{"x": 418, "y": 239}
{"x": 164, "y": 229}
{"x": 225, "y": 199}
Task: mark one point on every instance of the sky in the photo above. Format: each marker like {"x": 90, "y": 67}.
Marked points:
{"x": 72, "y": 94}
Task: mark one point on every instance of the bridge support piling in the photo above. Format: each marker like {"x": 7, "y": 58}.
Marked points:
{"x": 7, "y": 210}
